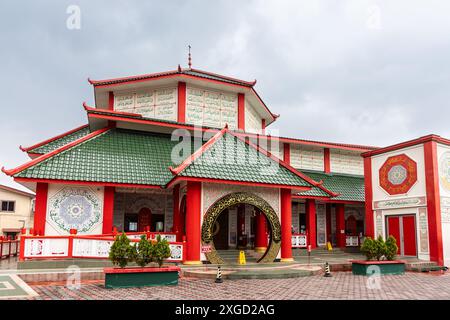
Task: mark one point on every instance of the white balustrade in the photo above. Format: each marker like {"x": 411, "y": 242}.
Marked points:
{"x": 351, "y": 241}
{"x": 299, "y": 241}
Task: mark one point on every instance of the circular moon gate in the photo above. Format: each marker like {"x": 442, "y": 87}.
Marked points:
{"x": 238, "y": 198}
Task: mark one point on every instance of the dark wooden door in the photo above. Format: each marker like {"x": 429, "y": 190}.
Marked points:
{"x": 145, "y": 216}
{"x": 220, "y": 231}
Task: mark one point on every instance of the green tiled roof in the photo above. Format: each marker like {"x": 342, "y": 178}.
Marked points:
{"x": 116, "y": 156}
{"x": 55, "y": 144}
{"x": 229, "y": 158}
{"x": 350, "y": 188}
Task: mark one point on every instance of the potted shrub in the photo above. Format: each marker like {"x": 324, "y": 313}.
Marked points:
{"x": 142, "y": 253}
{"x": 380, "y": 257}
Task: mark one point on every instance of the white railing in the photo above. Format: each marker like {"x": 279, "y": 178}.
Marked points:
{"x": 351, "y": 241}
{"x": 299, "y": 240}
{"x": 75, "y": 246}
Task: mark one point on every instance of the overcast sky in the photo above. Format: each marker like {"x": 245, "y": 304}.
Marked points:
{"x": 365, "y": 72}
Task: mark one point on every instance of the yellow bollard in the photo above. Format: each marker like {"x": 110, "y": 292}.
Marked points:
{"x": 329, "y": 247}
{"x": 242, "y": 257}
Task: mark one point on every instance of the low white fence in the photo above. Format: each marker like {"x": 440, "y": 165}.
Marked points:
{"x": 299, "y": 240}
{"x": 74, "y": 246}
{"x": 8, "y": 248}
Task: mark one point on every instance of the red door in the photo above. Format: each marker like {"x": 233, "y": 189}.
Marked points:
{"x": 393, "y": 229}
{"x": 144, "y": 219}
{"x": 409, "y": 235}
{"x": 403, "y": 229}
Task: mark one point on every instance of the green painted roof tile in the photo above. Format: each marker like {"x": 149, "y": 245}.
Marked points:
{"x": 350, "y": 188}
{"x": 55, "y": 144}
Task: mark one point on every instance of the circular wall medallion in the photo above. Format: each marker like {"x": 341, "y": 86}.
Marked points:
{"x": 398, "y": 174}
{"x": 444, "y": 170}
{"x": 75, "y": 208}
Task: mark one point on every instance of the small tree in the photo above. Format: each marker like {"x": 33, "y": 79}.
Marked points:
{"x": 380, "y": 246}
{"x": 368, "y": 248}
{"x": 121, "y": 251}
{"x": 391, "y": 248}
{"x": 161, "y": 250}
{"x": 144, "y": 252}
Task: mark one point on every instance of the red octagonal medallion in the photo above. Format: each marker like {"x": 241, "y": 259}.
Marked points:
{"x": 398, "y": 174}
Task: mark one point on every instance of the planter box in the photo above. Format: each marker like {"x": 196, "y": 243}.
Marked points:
{"x": 140, "y": 277}
{"x": 366, "y": 268}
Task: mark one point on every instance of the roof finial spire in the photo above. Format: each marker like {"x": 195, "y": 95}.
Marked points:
{"x": 189, "y": 58}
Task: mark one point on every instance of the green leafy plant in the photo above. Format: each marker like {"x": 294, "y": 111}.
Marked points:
{"x": 380, "y": 246}
{"x": 143, "y": 252}
{"x": 391, "y": 248}
{"x": 368, "y": 248}
{"x": 121, "y": 251}
{"x": 161, "y": 250}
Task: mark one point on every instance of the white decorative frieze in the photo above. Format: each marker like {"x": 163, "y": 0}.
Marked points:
{"x": 342, "y": 161}
{"x": 303, "y": 157}
{"x": 156, "y": 104}
{"x": 210, "y": 108}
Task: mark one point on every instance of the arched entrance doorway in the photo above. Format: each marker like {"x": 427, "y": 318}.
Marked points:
{"x": 228, "y": 201}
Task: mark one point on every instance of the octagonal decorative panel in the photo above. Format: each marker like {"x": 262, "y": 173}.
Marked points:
{"x": 398, "y": 174}
{"x": 75, "y": 208}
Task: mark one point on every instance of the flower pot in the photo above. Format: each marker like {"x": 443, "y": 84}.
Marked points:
{"x": 369, "y": 267}
{"x": 140, "y": 277}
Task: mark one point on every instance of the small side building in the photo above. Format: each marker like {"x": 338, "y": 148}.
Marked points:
{"x": 16, "y": 211}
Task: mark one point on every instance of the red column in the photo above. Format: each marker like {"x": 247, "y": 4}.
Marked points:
{"x": 110, "y": 100}
{"x": 176, "y": 212}
{"x": 326, "y": 160}
{"x": 368, "y": 220}
{"x": 40, "y": 208}
{"x": 240, "y": 226}
{"x": 261, "y": 235}
{"x": 311, "y": 222}
{"x": 263, "y": 126}
{"x": 108, "y": 210}
{"x": 433, "y": 203}
{"x": 193, "y": 215}
{"x": 286, "y": 225}
{"x": 241, "y": 111}
{"x": 328, "y": 221}
{"x": 181, "y": 102}
{"x": 287, "y": 153}
{"x": 340, "y": 225}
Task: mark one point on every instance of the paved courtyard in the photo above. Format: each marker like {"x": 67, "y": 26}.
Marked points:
{"x": 343, "y": 285}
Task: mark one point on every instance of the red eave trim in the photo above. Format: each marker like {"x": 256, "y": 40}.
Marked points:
{"x": 88, "y": 108}
{"x": 33, "y": 162}
{"x": 116, "y": 116}
{"x": 328, "y": 200}
{"x": 189, "y": 160}
{"x": 431, "y": 137}
{"x": 93, "y": 183}
{"x": 249, "y": 83}
{"x": 235, "y": 182}
{"x": 52, "y": 139}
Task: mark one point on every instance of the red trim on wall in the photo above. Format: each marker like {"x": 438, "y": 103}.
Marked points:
{"x": 181, "y": 102}
{"x": 327, "y": 200}
{"x": 311, "y": 222}
{"x": 287, "y": 153}
{"x": 340, "y": 225}
{"x": 326, "y": 160}
{"x": 111, "y": 101}
{"x": 53, "y": 139}
{"x": 241, "y": 111}
{"x": 263, "y": 126}
{"x": 40, "y": 208}
{"x": 114, "y": 112}
{"x": 108, "y": 210}
{"x": 286, "y": 223}
{"x": 89, "y": 183}
{"x": 54, "y": 152}
{"x": 421, "y": 140}
{"x": 193, "y": 214}
{"x": 433, "y": 202}
{"x": 368, "y": 191}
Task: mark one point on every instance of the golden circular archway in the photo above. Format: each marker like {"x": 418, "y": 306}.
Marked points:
{"x": 241, "y": 198}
